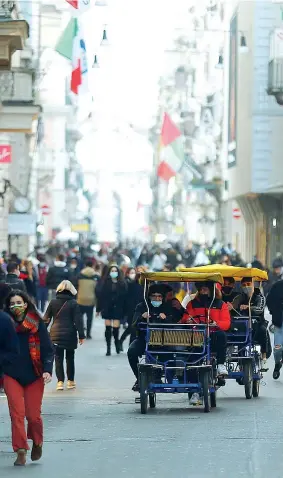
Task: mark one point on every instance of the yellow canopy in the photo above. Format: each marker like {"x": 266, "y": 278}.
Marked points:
{"x": 181, "y": 276}
{"x": 229, "y": 271}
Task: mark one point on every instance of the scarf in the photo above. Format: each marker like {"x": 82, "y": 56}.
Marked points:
{"x": 30, "y": 325}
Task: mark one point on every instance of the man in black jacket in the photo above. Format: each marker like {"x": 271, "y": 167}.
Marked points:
{"x": 12, "y": 277}
{"x": 57, "y": 273}
{"x": 274, "y": 303}
{"x": 160, "y": 311}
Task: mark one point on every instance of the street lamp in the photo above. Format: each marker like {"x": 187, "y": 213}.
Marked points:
{"x": 95, "y": 62}
{"x": 104, "y": 41}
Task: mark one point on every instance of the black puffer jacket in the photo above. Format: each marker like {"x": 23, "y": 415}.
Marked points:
{"x": 111, "y": 299}
{"x": 274, "y": 303}
{"x": 57, "y": 274}
{"x": 15, "y": 283}
{"x": 67, "y": 323}
{"x": 134, "y": 297}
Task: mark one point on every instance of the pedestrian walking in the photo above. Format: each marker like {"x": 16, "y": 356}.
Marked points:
{"x": 57, "y": 273}
{"x": 134, "y": 297}
{"x": 111, "y": 294}
{"x": 64, "y": 316}
{"x": 28, "y": 275}
{"x": 274, "y": 303}
{"x": 42, "y": 290}
{"x": 12, "y": 277}
{"x": 5, "y": 290}
{"x": 26, "y": 374}
{"x": 87, "y": 281}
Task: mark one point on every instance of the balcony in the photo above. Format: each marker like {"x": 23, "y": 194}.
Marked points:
{"x": 13, "y": 33}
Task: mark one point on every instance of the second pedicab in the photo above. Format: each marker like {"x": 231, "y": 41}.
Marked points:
{"x": 243, "y": 360}
{"x": 177, "y": 356}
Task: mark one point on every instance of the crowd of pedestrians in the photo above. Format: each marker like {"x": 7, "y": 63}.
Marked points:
{"x": 48, "y": 302}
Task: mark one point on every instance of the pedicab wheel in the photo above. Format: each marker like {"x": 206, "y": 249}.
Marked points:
{"x": 248, "y": 379}
{"x": 206, "y": 394}
{"x": 256, "y": 384}
{"x": 143, "y": 393}
{"x": 152, "y": 400}
{"x": 213, "y": 399}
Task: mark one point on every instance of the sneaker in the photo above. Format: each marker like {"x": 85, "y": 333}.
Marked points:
{"x": 21, "y": 457}
{"x": 276, "y": 371}
{"x": 221, "y": 370}
{"x": 195, "y": 399}
{"x": 264, "y": 367}
{"x": 60, "y": 386}
{"x": 71, "y": 385}
{"x": 136, "y": 387}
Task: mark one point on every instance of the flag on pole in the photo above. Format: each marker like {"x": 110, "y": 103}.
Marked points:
{"x": 71, "y": 45}
{"x": 171, "y": 150}
{"x": 80, "y": 5}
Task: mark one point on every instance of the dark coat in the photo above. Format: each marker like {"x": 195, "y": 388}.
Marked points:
{"x": 67, "y": 323}
{"x": 56, "y": 275}
{"x": 15, "y": 283}
{"x": 274, "y": 303}
{"x": 173, "y": 315}
{"x": 9, "y": 345}
{"x": 134, "y": 297}
{"x": 21, "y": 367}
{"x": 257, "y": 304}
{"x": 111, "y": 299}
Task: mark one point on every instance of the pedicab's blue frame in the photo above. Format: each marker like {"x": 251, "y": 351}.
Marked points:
{"x": 202, "y": 363}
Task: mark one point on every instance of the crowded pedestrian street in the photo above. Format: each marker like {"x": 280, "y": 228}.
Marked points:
{"x": 97, "y": 429}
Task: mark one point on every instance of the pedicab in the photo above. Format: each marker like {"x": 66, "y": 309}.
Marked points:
{"x": 243, "y": 356}
{"x": 177, "y": 356}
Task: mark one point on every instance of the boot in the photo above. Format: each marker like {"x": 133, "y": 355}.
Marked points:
{"x": 36, "y": 452}
{"x": 108, "y": 336}
{"x": 21, "y": 458}
{"x": 115, "y": 331}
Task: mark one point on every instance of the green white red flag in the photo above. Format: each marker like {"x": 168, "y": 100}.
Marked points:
{"x": 171, "y": 150}
{"x": 80, "y": 6}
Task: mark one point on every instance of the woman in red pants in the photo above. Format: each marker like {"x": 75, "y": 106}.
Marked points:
{"x": 26, "y": 375}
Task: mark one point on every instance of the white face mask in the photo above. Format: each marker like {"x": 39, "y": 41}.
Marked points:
{"x": 73, "y": 266}
{"x": 132, "y": 276}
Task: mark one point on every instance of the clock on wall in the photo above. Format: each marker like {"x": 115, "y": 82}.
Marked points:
{"x": 22, "y": 204}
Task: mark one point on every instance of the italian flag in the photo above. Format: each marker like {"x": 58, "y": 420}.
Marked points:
{"x": 71, "y": 45}
{"x": 171, "y": 150}
{"x": 79, "y": 5}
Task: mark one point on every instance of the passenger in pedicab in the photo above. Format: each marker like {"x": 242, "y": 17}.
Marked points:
{"x": 208, "y": 298}
{"x": 229, "y": 292}
{"x": 161, "y": 311}
{"x": 251, "y": 297}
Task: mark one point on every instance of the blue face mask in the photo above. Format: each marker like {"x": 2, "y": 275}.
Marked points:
{"x": 113, "y": 275}
{"x": 156, "y": 303}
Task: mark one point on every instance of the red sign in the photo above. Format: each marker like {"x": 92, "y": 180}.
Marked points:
{"x": 237, "y": 213}
{"x": 45, "y": 210}
{"x": 5, "y": 153}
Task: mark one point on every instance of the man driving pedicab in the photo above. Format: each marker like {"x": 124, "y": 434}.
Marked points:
{"x": 160, "y": 310}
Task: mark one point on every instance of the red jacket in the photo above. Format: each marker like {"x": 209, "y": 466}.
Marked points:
{"x": 219, "y": 313}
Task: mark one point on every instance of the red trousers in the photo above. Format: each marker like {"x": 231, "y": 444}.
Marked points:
{"x": 25, "y": 402}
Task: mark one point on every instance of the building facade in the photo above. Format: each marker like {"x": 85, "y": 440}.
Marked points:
{"x": 253, "y": 133}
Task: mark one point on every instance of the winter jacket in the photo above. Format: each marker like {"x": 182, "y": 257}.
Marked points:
{"x": 173, "y": 316}
{"x": 257, "y": 304}
{"x": 9, "y": 344}
{"x": 219, "y": 312}
{"x": 111, "y": 299}
{"x": 21, "y": 368}
{"x": 57, "y": 274}
{"x": 274, "y": 303}
{"x": 15, "y": 283}
{"x": 87, "y": 281}
{"x": 134, "y": 297}
{"x": 64, "y": 315}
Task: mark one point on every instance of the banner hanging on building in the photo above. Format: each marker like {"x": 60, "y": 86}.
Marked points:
{"x": 232, "y": 117}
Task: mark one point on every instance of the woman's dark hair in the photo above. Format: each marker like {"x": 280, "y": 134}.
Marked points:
{"x": 106, "y": 274}
{"x": 26, "y": 298}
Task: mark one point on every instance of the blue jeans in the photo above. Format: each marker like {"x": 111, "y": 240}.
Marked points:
{"x": 278, "y": 344}
{"x": 42, "y": 297}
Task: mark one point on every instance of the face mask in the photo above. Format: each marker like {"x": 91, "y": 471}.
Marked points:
{"x": 248, "y": 290}
{"x": 113, "y": 275}
{"x": 17, "y": 310}
{"x": 156, "y": 303}
{"x": 42, "y": 264}
{"x": 227, "y": 289}
{"x": 73, "y": 266}
{"x": 132, "y": 276}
